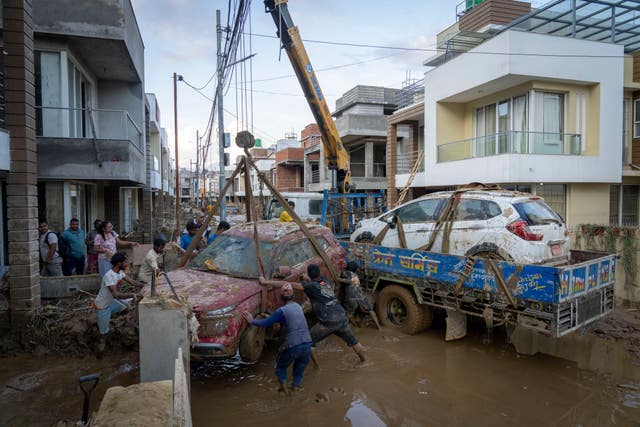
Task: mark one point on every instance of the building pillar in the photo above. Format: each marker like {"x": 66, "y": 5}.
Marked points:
{"x": 147, "y": 199}
{"x": 22, "y": 182}
{"x": 368, "y": 159}
{"x": 392, "y": 163}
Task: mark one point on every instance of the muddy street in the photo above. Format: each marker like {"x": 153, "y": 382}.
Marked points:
{"x": 407, "y": 381}
{"x": 421, "y": 380}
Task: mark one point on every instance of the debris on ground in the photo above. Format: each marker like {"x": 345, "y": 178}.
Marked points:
{"x": 623, "y": 324}
{"x": 68, "y": 327}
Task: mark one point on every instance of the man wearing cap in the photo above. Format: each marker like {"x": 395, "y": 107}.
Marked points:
{"x": 297, "y": 345}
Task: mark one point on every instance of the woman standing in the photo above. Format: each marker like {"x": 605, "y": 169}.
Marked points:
{"x": 105, "y": 245}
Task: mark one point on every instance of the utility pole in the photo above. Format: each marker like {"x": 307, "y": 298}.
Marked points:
{"x": 197, "y": 166}
{"x": 223, "y": 213}
{"x": 175, "y": 133}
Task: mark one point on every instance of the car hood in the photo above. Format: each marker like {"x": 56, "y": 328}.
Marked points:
{"x": 209, "y": 291}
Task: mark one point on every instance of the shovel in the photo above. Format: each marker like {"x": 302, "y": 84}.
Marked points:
{"x": 87, "y": 393}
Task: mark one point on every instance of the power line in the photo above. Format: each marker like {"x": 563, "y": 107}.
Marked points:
{"x": 436, "y": 50}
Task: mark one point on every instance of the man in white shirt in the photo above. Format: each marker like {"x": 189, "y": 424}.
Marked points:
{"x": 49, "y": 255}
{"x": 152, "y": 260}
{"x": 109, "y": 298}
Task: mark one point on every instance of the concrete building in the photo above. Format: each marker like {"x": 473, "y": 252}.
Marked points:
{"x": 90, "y": 113}
{"x": 159, "y": 165}
{"x": 539, "y": 100}
{"x": 360, "y": 118}
{"x": 287, "y": 173}
{"x": 76, "y": 115}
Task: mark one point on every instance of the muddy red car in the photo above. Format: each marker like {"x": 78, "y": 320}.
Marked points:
{"x": 222, "y": 282}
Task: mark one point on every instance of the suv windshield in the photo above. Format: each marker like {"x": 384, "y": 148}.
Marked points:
{"x": 536, "y": 212}
{"x": 234, "y": 256}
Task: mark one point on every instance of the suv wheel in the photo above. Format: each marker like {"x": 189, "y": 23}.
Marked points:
{"x": 489, "y": 250}
{"x": 251, "y": 344}
{"x": 396, "y": 308}
{"x": 366, "y": 237}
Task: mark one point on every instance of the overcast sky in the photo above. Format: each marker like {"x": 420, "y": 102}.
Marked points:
{"x": 180, "y": 36}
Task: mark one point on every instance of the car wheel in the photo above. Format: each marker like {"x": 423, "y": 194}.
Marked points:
{"x": 490, "y": 251}
{"x": 365, "y": 237}
{"x": 396, "y": 308}
{"x": 251, "y": 344}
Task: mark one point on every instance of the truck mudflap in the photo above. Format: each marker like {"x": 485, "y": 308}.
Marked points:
{"x": 554, "y": 300}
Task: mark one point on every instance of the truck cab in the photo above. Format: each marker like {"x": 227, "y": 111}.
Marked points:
{"x": 308, "y": 206}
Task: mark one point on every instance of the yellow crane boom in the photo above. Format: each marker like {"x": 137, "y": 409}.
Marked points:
{"x": 336, "y": 156}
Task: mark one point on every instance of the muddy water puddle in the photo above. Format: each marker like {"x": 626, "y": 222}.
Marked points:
{"x": 42, "y": 391}
{"x": 421, "y": 380}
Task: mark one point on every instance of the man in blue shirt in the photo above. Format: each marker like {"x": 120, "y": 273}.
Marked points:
{"x": 297, "y": 345}
{"x": 187, "y": 238}
{"x": 222, "y": 227}
{"x": 75, "y": 239}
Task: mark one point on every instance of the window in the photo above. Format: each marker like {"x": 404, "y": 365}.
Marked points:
{"x": 502, "y": 127}
{"x": 323, "y": 243}
{"x": 549, "y": 123}
{"x": 536, "y": 212}
{"x": 297, "y": 253}
{"x": 422, "y": 211}
{"x": 315, "y": 207}
{"x": 472, "y": 209}
{"x": 357, "y": 160}
{"x": 636, "y": 118}
{"x": 623, "y": 205}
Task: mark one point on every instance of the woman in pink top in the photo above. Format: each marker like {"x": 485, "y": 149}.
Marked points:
{"x": 105, "y": 244}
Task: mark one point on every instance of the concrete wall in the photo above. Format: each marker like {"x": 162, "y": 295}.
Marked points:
{"x": 110, "y": 23}
{"x": 76, "y": 159}
{"x": 164, "y": 329}
{"x": 469, "y": 77}
{"x": 588, "y": 204}
{"x": 121, "y": 96}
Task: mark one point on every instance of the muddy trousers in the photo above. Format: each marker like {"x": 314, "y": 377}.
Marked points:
{"x": 299, "y": 355}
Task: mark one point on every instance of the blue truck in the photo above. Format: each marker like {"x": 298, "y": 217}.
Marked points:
{"x": 553, "y": 300}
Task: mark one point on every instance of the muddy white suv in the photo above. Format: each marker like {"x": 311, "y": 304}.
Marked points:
{"x": 498, "y": 224}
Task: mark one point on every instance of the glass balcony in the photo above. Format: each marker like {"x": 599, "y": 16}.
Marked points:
{"x": 87, "y": 123}
{"x": 512, "y": 142}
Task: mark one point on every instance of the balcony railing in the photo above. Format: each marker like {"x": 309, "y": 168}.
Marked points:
{"x": 512, "y": 142}
{"x": 87, "y": 123}
{"x": 407, "y": 160}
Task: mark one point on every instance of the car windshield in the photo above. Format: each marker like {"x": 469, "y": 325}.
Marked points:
{"x": 235, "y": 256}
{"x": 537, "y": 212}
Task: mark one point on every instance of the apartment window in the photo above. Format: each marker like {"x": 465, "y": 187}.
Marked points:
{"x": 501, "y": 127}
{"x": 636, "y": 118}
{"x": 548, "y": 123}
{"x": 379, "y": 160}
{"x": 623, "y": 205}
{"x": 52, "y": 93}
{"x": 357, "y": 156}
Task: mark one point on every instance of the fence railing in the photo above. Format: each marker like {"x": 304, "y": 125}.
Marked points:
{"x": 512, "y": 142}
{"x": 407, "y": 160}
{"x": 87, "y": 123}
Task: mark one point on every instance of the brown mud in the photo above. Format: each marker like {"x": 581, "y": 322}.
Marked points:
{"x": 408, "y": 380}
{"x": 422, "y": 380}
{"x": 42, "y": 391}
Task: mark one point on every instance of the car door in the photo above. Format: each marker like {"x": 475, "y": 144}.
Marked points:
{"x": 298, "y": 254}
{"x": 476, "y": 221}
{"x": 418, "y": 221}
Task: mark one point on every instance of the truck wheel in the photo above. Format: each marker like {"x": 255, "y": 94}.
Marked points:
{"x": 398, "y": 309}
{"x": 251, "y": 344}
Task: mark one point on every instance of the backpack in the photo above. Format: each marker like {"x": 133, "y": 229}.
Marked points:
{"x": 63, "y": 249}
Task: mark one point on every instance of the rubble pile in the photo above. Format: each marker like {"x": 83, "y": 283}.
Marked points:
{"x": 623, "y": 324}
{"x": 68, "y": 327}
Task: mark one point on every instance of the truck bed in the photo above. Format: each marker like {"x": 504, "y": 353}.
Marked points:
{"x": 554, "y": 300}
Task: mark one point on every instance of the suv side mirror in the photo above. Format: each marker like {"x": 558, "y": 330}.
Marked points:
{"x": 392, "y": 221}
